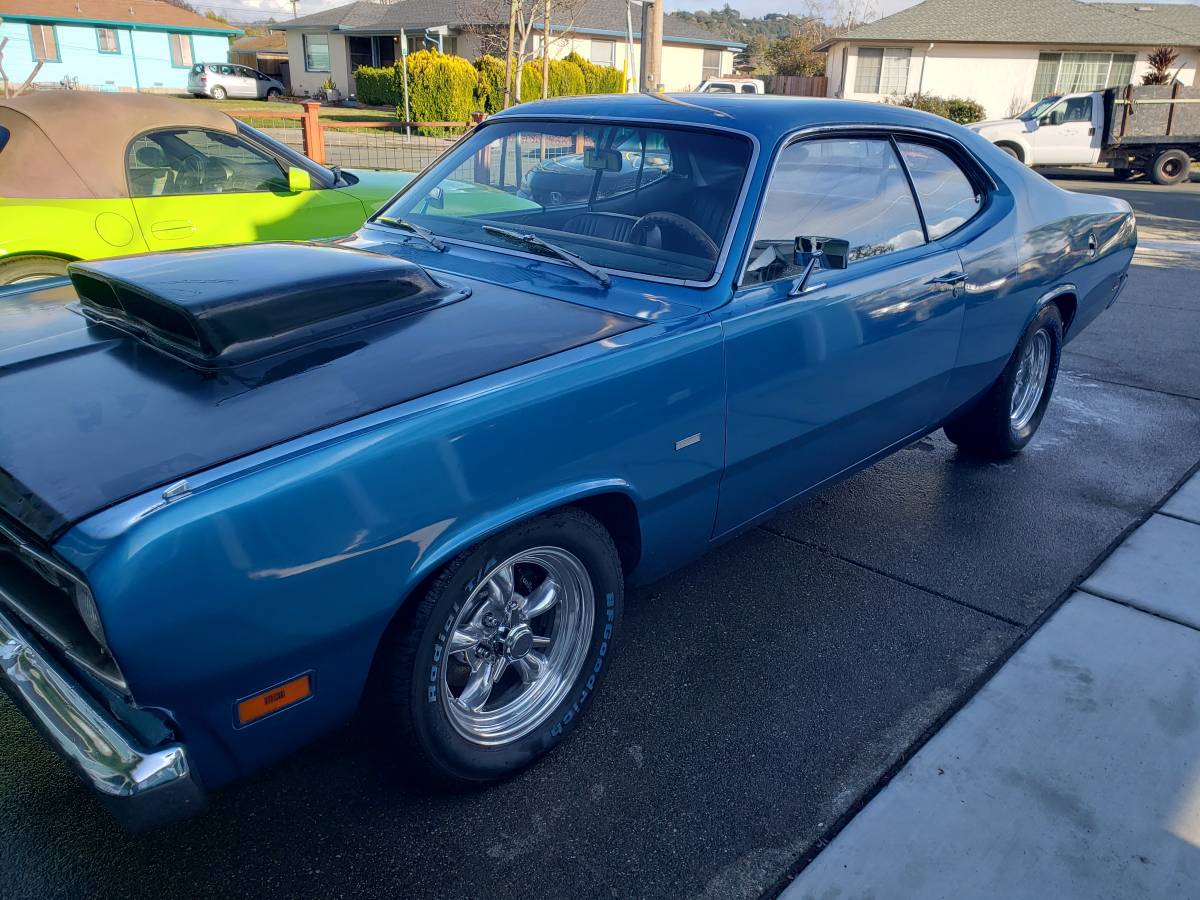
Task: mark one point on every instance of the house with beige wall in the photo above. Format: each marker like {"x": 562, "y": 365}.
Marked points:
{"x": 333, "y": 43}
{"x": 1007, "y": 55}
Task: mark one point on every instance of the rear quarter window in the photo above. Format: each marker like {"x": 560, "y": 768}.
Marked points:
{"x": 3, "y": 137}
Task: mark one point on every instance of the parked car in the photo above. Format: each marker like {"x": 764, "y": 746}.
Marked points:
{"x": 221, "y": 80}
{"x": 1153, "y": 131}
{"x": 569, "y": 178}
{"x": 246, "y": 490}
{"x": 157, "y": 173}
{"x": 732, "y": 86}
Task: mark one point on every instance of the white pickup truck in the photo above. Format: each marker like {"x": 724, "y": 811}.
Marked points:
{"x": 1155, "y": 130}
{"x": 732, "y": 86}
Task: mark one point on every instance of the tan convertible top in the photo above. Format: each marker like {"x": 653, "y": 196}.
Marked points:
{"x": 71, "y": 144}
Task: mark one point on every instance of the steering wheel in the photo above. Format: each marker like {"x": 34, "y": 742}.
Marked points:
{"x": 189, "y": 175}
{"x": 668, "y": 231}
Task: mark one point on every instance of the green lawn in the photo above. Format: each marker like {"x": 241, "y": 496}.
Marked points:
{"x": 332, "y": 113}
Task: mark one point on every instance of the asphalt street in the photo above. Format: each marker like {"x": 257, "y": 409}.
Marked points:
{"x": 758, "y": 697}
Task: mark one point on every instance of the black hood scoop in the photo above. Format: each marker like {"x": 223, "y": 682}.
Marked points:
{"x": 228, "y": 306}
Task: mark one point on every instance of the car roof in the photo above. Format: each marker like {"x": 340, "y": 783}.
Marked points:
{"x": 71, "y": 144}
{"x": 766, "y": 116}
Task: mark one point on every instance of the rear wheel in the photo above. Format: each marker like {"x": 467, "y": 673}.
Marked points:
{"x": 1171, "y": 167}
{"x": 218, "y": 93}
{"x": 497, "y": 662}
{"x": 1005, "y": 419}
{"x": 31, "y": 268}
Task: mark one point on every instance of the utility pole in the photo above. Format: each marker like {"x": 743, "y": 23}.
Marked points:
{"x": 294, "y": 3}
{"x": 546, "y": 51}
{"x": 652, "y": 30}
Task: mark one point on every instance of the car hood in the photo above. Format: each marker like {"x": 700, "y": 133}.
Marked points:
{"x": 374, "y": 188}
{"x": 92, "y": 413}
{"x": 995, "y": 125}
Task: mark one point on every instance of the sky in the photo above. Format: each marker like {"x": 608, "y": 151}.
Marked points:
{"x": 251, "y": 10}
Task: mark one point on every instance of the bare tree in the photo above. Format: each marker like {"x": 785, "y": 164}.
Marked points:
{"x": 487, "y": 19}
{"x": 9, "y": 90}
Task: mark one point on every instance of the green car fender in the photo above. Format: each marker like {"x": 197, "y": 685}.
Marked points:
{"x": 69, "y": 229}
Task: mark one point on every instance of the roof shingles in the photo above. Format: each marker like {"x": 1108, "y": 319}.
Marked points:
{"x": 142, "y": 12}
{"x": 598, "y": 15}
{"x": 1035, "y": 22}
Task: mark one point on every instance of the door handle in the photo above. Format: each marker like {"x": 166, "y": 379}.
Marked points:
{"x": 951, "y": 278}
{"x": 173, "y": 228}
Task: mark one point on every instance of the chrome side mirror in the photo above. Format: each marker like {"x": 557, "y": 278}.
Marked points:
{"x": 814, "y": 252}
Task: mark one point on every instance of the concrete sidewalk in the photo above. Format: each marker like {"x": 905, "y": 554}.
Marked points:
{"x": 1075, "y": 771}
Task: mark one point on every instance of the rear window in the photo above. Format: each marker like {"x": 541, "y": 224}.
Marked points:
{"x": 198, "y": 69}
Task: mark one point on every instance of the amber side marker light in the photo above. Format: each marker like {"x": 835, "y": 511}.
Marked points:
{"x": 274, "y": 699}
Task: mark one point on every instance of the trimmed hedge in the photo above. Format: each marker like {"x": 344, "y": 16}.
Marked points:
{"x": 956, "y": 109}
{"x": 448, "y": 88}
{"x": 598, "y": 79}
{"x": 441, "y": 88}
{"x": 489, "y": 89}
{"x": 379, "y": 87}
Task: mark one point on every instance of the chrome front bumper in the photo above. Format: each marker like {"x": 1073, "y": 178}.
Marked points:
{"x": 141, "y": 788}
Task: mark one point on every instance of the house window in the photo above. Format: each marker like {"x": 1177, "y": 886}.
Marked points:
{"x": 45, "y": 43}
{"x": 419, "y": 42}
{"x": 1070, "y": 73}
{"x": 603, "y": 53}
{"x": 107, "y": 40}
{"x": 712, "y": 64}
{"x": 882, "y": 70}
{"x": 181, "y": 50}
{"x": 316, "y": 52}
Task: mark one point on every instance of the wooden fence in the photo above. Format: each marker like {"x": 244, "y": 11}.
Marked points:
{"x": 797, "y": 85}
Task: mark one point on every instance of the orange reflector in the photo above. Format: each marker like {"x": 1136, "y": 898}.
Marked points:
{"x": 272, "y": 700}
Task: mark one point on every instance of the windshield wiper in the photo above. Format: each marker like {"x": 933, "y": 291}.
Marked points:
{"x": 533, "y": 240}
{"x": 413, "y": 228}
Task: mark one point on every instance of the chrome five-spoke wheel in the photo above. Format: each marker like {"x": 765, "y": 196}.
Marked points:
{"x": 1030, "y": 382}
{"x": 517, "y": 645}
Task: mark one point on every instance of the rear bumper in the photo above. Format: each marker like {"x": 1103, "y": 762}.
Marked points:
{"x": 141, "y": 788}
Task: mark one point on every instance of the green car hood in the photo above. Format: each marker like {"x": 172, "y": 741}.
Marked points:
{"x": 374, "y": 188}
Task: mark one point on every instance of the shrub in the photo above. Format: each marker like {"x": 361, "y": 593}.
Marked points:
{"x": 489, "y": 87}
{"x": 598, "y": 79}
{"x": 441, "y": 88}
{"x": 531, "y": 81}
{"x": 566, "y": 79}
{"x": 379, "y": 87}
{"x": 956, "y": 109}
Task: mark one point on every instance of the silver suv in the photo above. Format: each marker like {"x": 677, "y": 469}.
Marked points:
{"x": 221, "y": 80}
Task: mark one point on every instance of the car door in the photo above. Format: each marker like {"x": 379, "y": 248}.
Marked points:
{"x": 823, "y": 379}
{"x": 1067, "y": 133}
{"x": 195, "y": 188}
{"x": 246, "y": 81}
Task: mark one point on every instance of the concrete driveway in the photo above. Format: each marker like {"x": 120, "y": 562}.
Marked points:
{"x": 758, "y": 698}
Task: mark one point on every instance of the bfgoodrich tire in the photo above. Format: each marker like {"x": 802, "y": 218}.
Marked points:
{"x": 497, "y": 662}
{"x": 31, "y": 268}
{"x": 1005, "y": 419}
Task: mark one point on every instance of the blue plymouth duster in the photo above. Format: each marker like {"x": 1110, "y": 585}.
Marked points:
{"x": 246, "y": 490}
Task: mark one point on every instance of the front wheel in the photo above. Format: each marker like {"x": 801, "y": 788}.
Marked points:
{"x": 1005, "y": 419}
{"x": 273, "y": 93}
{"x": 496, "y": 663}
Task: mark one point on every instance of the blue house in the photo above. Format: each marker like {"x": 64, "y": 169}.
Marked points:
{"x": 108, "y": 45}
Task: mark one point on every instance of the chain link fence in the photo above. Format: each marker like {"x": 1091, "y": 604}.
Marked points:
{"x": 357, "y": 143}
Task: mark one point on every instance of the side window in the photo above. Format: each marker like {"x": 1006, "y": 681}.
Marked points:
{"x": 746, "y": 88}
{"x": 183, "y": 161}
{"x": 947, "y": 196}
{"x": 848, "y": 188}
{"x": 1079, "y": 109}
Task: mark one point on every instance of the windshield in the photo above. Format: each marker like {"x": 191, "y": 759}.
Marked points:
{"x": 652, "y": 200}
{"x": 294, "y": 157}
{"x": 1039, "y": 109}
